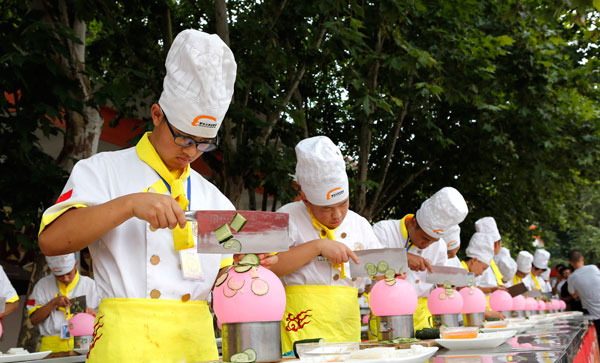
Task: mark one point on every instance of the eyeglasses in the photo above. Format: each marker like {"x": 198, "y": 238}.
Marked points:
{"x": 186, "y": 141}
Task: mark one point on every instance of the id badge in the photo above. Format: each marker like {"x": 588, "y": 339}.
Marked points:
{"x": 190, "y": 264}
{"x": 64, "y": 331}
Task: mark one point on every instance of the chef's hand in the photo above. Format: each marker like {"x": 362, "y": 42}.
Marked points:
{"x": 418, "y": 263}
{"x": 266, "y": 259}
{"x": 336, "y": 252}
{"x": 90, "y": 311}
{"x": 61, "y": 301}
{"x": 494, "y": 315}
{"x": 161, "y": 211}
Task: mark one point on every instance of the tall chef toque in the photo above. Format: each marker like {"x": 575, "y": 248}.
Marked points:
{"x": 488, "y": 225}
{"x": 546, "y": 275}
{"x": 481, "y": 246}
{"x": 443, "y": 210}
{"x": 524, "y": 260}
{"x": 61, "y": 265}
{"x": 540, "y": 259}
{"x": 453, "y": 238}
{"x": 199, "y": 83}
{"x": 508, "y": 267}
{"x": 321, "y": 171}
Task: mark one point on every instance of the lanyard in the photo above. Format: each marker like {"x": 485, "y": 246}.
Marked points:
{"x": 408, "y": 244}
{"x": 189, "y": 189}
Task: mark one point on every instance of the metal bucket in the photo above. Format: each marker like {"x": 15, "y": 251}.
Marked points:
{"x": 391, "y": 327}
{"x": 518, "y": 314}
{"x": 262, "y": 336}
{"x": 449, "y": 320}
{"x": 474, "y": 319}
{"x": 82, "y": 341}
{"x": 506, "y": 313}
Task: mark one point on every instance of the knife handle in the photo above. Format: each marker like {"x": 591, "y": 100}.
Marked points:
{"x": 190, "y": 215}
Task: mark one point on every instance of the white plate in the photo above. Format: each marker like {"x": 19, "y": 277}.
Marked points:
{"x": 483, "y": 341}
{"x": 519, "y": 328}
{"x": 23, "y": 357}
{"x": 401, "y": 356}
{"x": 81, "y": 351}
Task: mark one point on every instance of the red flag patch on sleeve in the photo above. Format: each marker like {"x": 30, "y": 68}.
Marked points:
{"x": 31, "y": 302}
{"x": 64, "y": 196}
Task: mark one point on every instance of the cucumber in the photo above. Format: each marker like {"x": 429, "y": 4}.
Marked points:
{"x": 390, "y": 274}
{"x": 223, "y": 233}
{"x": 242, "y": 269}
{"x": 303, "y": 341}
{"x": 382, "y": 267}
{"x": 391, "y": 282}
{"x": 427, "y": 333}
{"x": 250, "y": 259}
{"x": 241, "y": 358}
{"x": 238, "y": 222}
{"x": 221, "y": 279}
{"x": 251, "y": 353}
{"x": 235, "y": 283}
{"x": 371, "y": 269}
{"x": 259, "y": 287}
{"x": 233, "y": 244}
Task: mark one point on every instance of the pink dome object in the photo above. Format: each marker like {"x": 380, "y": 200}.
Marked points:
{"x": 541, "y": 305}
{"x": 398, "y": 299}
{"x": 518, "y": 303}
{"x": 530, "y": 304}
{"x": 501, "y": 300}
{"x": 562, "y": 305}
{"x": 555, "y": 304}
{"x": 243, "y": 304}
{"x": 81, "y": 324}
{"x": 440, "y": 303}
{"x": 474, "y": 300}
{"x": 365, "y": 319}
{"x": 0, "y": 330}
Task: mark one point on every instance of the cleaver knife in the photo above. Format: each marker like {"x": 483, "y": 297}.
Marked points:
{"x": 454, "y": 275}
{"x": 2, "y": 305}
{"x": 535, "y": 293}
{"x": 231, "y": 231}
{"x": 517, "y": 289}
{"x": 394, "y": 257}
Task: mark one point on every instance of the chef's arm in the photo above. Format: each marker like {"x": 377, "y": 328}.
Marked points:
{"x": 488, "y": 290}
{"x": 77, "y": 228}
{"x": 9, "y": 308}
{"x": 42, "y": 313}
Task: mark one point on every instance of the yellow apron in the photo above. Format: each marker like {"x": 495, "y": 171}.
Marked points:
{"x": 153, "y": 330}
{"x": 320, "y": 311}
{"x": 421, "y": 315}
{"x": 55, "y": 344}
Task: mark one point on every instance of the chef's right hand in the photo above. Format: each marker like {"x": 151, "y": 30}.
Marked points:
{"x": 418, "y": 263}
{"x": 336, "y": 252}
{"x": 61, "y": 301}
{"x": 161, "y": 211}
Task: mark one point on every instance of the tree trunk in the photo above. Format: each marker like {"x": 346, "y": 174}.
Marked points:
{"x": 29, "y": 336}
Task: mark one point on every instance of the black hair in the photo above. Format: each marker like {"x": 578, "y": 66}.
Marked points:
{"x": 575, "y": 256}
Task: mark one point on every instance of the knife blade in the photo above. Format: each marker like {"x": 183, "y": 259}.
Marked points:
{"x": 395, "y": 258}
{"x": 517, "y": 289}
{"x": 2, "y": 305}
{"x": 241, "y": 231}
{"x": 454, "y": 275}
{"x": 534, "y": 293}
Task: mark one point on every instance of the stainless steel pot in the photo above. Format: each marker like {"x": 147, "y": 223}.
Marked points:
{"x": 449, "y": 320}
{"x": 262, "y": 336}
{"x": 518, "y": 314}
{"x": 474, "y": 319}
{"x": 395, "y": 326}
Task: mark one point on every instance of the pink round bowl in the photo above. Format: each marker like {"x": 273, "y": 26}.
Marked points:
{"x": 474, "y": 300}
{"x": 439, "y": 302}
{"x": 531, "y": 304}
{"x": 81, "y": 324}
{"x": 501, "y": 300}
{"x": 518, "y": 303}
{"x": 235, "y": 300}
{"x": 398, "y": 299}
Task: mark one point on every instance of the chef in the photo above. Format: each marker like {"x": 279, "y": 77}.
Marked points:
{"x": 127, "y": 206}
{"x": 547, "y": 287}
{"x": 48, "y": 304}
{"x": 8, "y": 292}
{"x": 491, "y": 279}
{"x": 422, "y": 235}
{"x": 506, "y": 264}
{"x": 322, "y": 299}
{"x": 538, "y": 267}
{"x": 453, "y": 245}
{"x": 524, "y": 260}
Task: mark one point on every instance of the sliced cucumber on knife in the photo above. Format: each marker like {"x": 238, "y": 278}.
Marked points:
{"x": 223, "y": 233}
{"x": 250, "y": 259}
{"x": 233, "y": 244}
{"x": 238, "y": 222}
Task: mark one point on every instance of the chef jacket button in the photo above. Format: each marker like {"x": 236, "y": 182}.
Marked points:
{"x": 343, "y": 234}
{"x": 155, "y": 294}
{"x": 154, "y": 260}
{"x": 323, "y": 232}
{"x": 336, "y": 277}
{"x": 185, "y": 297}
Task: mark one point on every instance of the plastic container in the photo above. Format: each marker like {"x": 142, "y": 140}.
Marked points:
{"x": 495, "y": 324}
{"x": 459, "y": 333}
{"x": 326, "y": 352}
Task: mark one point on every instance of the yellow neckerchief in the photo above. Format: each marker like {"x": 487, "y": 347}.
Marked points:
{"x": 537, "y": 284}
{"x": 328, "y": 235}
{"x": 517, "y": 279}
{"x": 182, "y": 238}
{"x": 497, "y": 272}
{"x": 64, "y": 290}
{"x": 404, "y": 230}
{"x": 464, "y": 265}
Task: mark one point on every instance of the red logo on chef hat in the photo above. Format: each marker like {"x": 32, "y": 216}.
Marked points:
{"x": 205, "y": 121}
{"x": 334, "y": 192}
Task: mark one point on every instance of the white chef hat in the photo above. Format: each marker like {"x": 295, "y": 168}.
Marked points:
{"x": 444, "y": 209}
{"x": 524, "y": 260}
{"x": 481, "y": 246}
{"x": 453, "y": 238}
{"x": 199, "y": 83}
{"x": 540, "y": 259}
{"x": 488, "y": 225}
{"x": 507, "y": 266}
{"x": 61, "y": 265}
{"x": 546, "y": 275}
{"x": 321, "y": 171}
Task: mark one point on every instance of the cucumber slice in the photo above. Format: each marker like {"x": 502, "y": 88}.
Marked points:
{"x": 240, "y": 358}
{"x": 238, "y": 222}
{"x": 371, "y": 269}
{"x": 259, "y": 287}
{"x": 390, "y": 282}
{"x": 242, "y": 269}
{"x": 221, "y": 279}
{"x": 233, "y": 244}
{"x": 382, "y": 267}
{"x": 251, "y": 353}
{"x": 390, "y": 274}
{"x": 235, "y": 283}
{"x": 228, "y": 292}
{"x": 254, "y": 272}
{"x": 223, "y": 233}
{"x": 250, "y": 259}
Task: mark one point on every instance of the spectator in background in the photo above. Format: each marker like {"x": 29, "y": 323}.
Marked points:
{"x": 584, "y": 283}
{"x": 572, "y": 303}
{"x": 555, "y": 280}
{"x": 563, "y": 275}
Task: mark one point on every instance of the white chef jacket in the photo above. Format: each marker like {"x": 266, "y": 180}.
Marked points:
{"x": 7, "y": 291}
{"x": 131, "y": 261}
{"x": 355, "y": 232}
{"x": 47, "y": 289}
{"x": 526, "y": 280}
{"x": 390, "y": 234}
{"x": 487, "y": 278}
{"x": 454, "y": 262}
